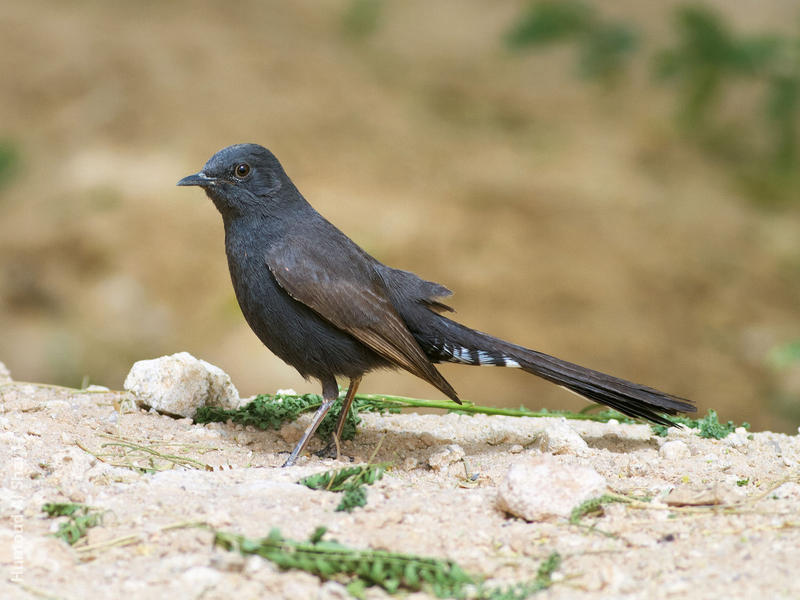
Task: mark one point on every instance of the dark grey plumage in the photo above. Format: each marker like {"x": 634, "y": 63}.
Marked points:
{"x": 329, "y": 309}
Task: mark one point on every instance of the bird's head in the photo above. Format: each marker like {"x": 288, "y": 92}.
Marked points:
{"x": 243, "y": 179}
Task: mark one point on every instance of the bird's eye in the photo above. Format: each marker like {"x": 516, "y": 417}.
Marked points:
{"x": 241, "y": 170}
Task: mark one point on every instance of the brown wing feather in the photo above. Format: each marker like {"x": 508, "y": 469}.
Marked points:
{"x": 355, "y": 302}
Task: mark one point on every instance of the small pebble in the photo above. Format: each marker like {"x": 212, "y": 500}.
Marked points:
{"x": 410, "y": 463}
{"x": 674, "y": 450}
{"x": 200, "y": 578}
{"x": 97, "y": 388}
{"x": 737, "y": 439}
{"x": 5, "y": 374}
{"x": 444, "y": 457}
{"x": 333, "y": 590}
{"x": 560, "y": 438}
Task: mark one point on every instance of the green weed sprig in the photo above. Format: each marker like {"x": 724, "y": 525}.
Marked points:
{"x": 391, "y": 571}
{"x": 709, "y": 426}
{"x": 327, "y": 559}
{"x": 80, "y": 518}
{"x": 350, "y": 480}
{"x": 269, "y": 411}
{"x": 141, "y": 458}
{"x": 593, "y": 505}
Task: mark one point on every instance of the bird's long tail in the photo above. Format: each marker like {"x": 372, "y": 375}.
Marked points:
{"x": 449, "y": 341}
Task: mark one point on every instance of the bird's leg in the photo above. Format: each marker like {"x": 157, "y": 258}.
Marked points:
{"x": 330, "y": 392}
{"x": 332, "y": 449}
{"x": 348, "y": 401}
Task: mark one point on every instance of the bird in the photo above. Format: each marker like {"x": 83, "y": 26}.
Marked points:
{"x": 329, "y": 309}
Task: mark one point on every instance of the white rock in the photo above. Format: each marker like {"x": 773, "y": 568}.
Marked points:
{"x": 5, "y": 374}
{"x": 674, "y": 450}
{"x": 738, "y": 438}
{"x": 544, "y": 488}
{"x": 180, "y": 384}
{"x": 200, "y": 578}
{"x": 560, "y": 438}
{"x": 444, "y": 457}
{"x": 712, "y": 495}
{"x": 333, "y": 590}
{"x": 410, "y": 463}
{"x": 97, "y": 388}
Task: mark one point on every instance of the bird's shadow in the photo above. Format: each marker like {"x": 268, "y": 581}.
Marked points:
{"x": 378, "y": 445}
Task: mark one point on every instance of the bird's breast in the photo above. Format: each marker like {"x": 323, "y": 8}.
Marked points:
{"x": 290, "y": 329}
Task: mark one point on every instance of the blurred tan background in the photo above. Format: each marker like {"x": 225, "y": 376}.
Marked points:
{"x": 571, "y": 216}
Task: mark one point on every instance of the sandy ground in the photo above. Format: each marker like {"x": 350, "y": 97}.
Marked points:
{"x": 746, "y": 547}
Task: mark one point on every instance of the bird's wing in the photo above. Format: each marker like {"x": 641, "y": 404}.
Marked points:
{"x": 347, "y": 292}
{"x": 405, "y": 286}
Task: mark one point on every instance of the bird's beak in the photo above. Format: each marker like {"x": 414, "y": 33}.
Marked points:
{"x": 200, "y": 179}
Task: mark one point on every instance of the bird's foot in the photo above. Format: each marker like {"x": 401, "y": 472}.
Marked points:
{"x": 332, "y": 450}
{"x": 329, "y": 451}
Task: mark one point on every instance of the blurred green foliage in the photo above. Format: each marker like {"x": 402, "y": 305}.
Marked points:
{"x": 603, "y": 46}
{"x": 362, "y": 17}
{"x": 785, "y": 355}
{"x": 604, "y": 50}
{"x": 707, "y": 56}
{"x": 784, "y": 362}
{"x": 9, "y": 159}
{"x": 782, "y": 110}
{"x": 705, "y": 64}
{"x": 547, "y": 22}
